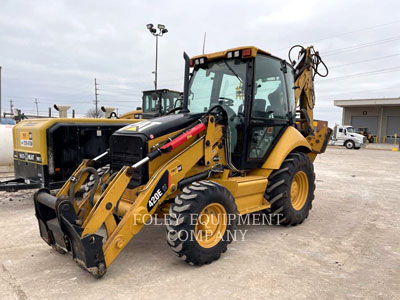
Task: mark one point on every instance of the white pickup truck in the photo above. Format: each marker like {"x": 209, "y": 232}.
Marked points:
{"x": 345, "y": 135}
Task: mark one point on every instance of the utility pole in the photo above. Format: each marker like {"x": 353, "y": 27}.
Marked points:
{"x": 11, "y": 107}
{"x": 96, "y": 102}
{"x": 37, "y": 107}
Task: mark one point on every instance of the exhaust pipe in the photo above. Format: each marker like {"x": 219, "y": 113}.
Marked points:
{"x": 186, "y": 83}
{"x": 62, "y": 109}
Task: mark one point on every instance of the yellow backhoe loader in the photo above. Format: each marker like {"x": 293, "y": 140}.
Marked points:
{"x": 235, "y": 147}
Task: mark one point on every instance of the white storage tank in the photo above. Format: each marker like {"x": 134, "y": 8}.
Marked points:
{"x": 6, "y": 145}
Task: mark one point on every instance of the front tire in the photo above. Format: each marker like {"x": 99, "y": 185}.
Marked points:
{"x": 349, "y": 144}
{"x": 201, "y": 222}
{"x": 290, "y": 190}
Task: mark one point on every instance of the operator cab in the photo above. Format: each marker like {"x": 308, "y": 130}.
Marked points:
{"x": 159, "y": 102}
{"x": 256, "y": 90}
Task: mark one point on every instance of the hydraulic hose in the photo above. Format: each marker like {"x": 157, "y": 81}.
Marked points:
{"x": 77, "y": 178}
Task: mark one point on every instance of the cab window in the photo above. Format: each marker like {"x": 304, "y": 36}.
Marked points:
{"x": 269, "y": 107}
{"x": 291, "y": 91}
{"x": 270, "y": 100}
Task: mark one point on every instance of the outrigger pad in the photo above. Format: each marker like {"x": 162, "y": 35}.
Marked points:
{"x": 57, "y": 217}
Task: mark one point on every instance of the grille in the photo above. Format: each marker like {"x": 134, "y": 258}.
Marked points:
{"x": 364, "y": 140}
{"x": 127, "y": 150}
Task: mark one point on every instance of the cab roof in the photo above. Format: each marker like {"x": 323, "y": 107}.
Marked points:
{"x": 222, "y": 54}
{"x": 161, "y": 90}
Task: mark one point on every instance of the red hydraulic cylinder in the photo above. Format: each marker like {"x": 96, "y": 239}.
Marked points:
{"x": 184, "y": 137}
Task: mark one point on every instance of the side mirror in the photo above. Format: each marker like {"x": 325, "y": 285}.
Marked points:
{"x": 345, "y": 132}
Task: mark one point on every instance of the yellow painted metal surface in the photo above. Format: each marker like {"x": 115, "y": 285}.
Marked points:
{"x": 317, "y": 142}
{"x": 299, "y": 190}
{"x": 248, "y": 192}
{"x": 132, "y": 114}
{"x": 106, "y": 204}
{"x": 290, "y": 140}
{"x": 211, "y": 225}
{"x": 137, "y": 214}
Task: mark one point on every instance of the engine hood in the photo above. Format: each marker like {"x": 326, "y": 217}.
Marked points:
{"x": 357, "y": 136}
{"x": 160, "y": 126}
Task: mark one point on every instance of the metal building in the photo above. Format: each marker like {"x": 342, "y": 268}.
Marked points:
{"x": 380, "y": 116}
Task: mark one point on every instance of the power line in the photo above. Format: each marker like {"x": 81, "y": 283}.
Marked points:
{"x": 360, "y": 91}
{"x": 346, "y": 33}
{"x": 395, "y": 69}
{"x": 359, "y": 46}
{"x": 362, "y": 61}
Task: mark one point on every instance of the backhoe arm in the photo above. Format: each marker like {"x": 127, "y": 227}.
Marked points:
{"x": 305, "y": 70}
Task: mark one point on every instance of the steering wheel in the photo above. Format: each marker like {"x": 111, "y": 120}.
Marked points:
{"x": 226, "y": 101}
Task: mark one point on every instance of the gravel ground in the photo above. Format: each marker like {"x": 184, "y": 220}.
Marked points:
{"x": 349, "y": 247}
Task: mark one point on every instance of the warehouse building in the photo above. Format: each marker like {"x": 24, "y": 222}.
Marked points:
{"x": 380, "y": 116}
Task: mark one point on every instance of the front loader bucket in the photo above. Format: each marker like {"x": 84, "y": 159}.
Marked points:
{"x": 57, "y": 224}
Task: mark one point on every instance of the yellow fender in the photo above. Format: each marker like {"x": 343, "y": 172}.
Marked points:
{"x": 290, "y": 140}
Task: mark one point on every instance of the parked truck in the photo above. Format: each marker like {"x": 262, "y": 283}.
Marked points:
{"x": 345, "y": 135}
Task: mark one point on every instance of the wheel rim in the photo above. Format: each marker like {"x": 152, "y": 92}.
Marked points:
{"x": 299, "y": 190}
{"x": 211, "y": 225}
{"x": 349, "y": 145}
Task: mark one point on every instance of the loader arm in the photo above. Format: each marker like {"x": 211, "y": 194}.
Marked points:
{"x": 84, "y": 240}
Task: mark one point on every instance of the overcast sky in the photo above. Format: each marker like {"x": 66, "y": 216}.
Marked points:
{"x": 53, "y": 50}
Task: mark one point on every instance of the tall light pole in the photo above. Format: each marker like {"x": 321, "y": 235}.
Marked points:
{"x": 161, "y": 31}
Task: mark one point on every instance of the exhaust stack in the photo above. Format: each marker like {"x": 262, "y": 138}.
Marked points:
{"x": 62, "y": 109}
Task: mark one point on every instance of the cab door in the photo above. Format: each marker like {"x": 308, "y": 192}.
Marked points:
{"x": 269, "y": 109}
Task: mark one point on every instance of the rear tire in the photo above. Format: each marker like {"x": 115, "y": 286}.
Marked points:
{"x": 349, "y": 144}
{"x": 185, "y": 231}
{"x": 290, "y": 190}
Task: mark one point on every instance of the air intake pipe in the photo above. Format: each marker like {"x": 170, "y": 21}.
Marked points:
{"x": 62, "y": 110}
{"x": 108, "y": 111}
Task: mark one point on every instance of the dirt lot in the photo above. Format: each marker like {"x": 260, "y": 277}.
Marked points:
{"x": 348, "y": 248}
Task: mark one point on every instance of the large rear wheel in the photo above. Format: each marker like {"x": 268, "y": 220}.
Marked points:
{"x": 201, "y": 222}
{"x": 290, "y": 190}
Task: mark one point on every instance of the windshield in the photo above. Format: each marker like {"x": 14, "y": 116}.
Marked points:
{"x": 350, "y": 129}
{"x": 150, "y": 105}
{"x": 168, "y": 101}
{"x": 221, "y": 83}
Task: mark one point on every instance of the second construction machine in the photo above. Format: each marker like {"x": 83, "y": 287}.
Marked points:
{"x": 243, "y": 142}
